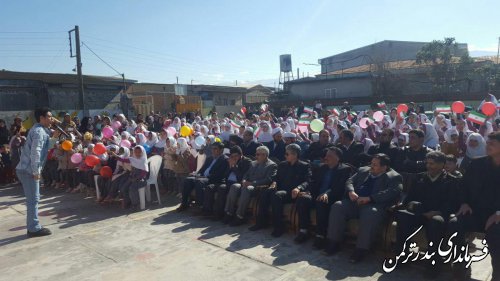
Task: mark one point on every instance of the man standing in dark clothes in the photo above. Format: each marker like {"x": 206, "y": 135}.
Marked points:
{"x": 480, "y": 209}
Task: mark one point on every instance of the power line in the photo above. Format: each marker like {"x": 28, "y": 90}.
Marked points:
{"x": 109, "y": 65}
{"x": 34, "y": 32}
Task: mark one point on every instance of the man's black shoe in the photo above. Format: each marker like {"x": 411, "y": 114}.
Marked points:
{"x": 332, "y": 248}
{"x": 358, "y": 255}
{"x": 42, "y": 232}
{"x": 301, "y": 238}
{"x": 237, "y": 222}
{"x": 227, "y": 219}
{"x": 257, "y": 227}
{"x": 278, "y": 232}
{"x": 319, "y": 243}
{"x": 181, "y": 208}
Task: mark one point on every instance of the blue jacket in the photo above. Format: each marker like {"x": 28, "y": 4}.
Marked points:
{"x": 35, "y": 150}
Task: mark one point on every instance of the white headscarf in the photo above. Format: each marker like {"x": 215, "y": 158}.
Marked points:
{"x": 448, "y": 134}
{"x": 154, "y": 139}
{"x": 367, "y": 143}
{"x": 265, "y": 136}
{"x": 139, "y": 163}
{"x": 141, "y": 139}
{"x": 431, "y": 138}
{"x": 479, "y": 150}
{"x": 182, "y": 145}
{"x": 125, "y": 154}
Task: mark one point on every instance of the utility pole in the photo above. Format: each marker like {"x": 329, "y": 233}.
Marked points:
{"x": 498, "y": 51}
{"x": 78, "y": 68}
{"x": 177, "y": 78}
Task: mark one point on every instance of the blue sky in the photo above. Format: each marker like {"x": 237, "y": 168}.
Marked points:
{"x": 218, "y": 42}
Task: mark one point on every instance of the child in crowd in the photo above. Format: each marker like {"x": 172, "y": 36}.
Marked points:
{"x": 136, "y": 179}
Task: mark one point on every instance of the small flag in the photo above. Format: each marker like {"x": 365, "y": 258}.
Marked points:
{"x": 381, "y": 104}
{"x": 243, "y": 111}
{"x": 335, "y": 111}
{"x": 264, "y": 107}
{"x": 304, "y": 122}
{"x": 235, "y": 123}
{"x": 241, "y": 116}
{"x": 476, "y": 117}
{"x": 308, "y": 109}
{"x": 443, "y": 108}
{"x": 305, "y": 116}
{"x": 257, "y": 132}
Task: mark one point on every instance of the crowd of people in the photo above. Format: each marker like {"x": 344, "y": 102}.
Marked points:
{"x": 440, "y": 171}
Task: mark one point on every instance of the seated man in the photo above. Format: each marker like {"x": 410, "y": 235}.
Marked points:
{"x": 292, "y": 177}
{"x": 480, "y": 208}
{"x": 411, "y": 159}
{"x": 249, "y": 145}
{"x": 326, "y": 188}
{"x": 371, "y": 190}
{"x": 212, "y": 172}
{"x": 238, "y": 166}
{"x": 277, "y": 145}
{"x": 451, "y": 166}
{"x": 351, "y": 149}
{"x": 316, "y": 150}
{"x": 385, "y": 146}
{"x": 430, "y": 202}
{"x": 261, "y": 173}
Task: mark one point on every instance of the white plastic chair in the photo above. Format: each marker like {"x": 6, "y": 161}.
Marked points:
{"x": 97, "y": 191}
{"x": 154, "y": 168}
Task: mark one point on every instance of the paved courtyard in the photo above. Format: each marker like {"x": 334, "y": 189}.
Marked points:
{"x": 94, "y": 242}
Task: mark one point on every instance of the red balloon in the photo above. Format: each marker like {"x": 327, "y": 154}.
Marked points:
{"x": 106, "y": 172}
{"x": 402, "y": 108}
{"x": 92, "y": 160}
{"x": 488, "y": 108}
{"x": 458, "y": 107}
{"x": 99, "y": 148}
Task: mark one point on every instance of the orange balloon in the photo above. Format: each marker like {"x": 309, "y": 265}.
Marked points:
{"x": 67, "y": 145}
{"x": 92, "y": 160}
{"x": 458, "y": 107}
{"x": 99, "y": 148}
{"x": 106, "y": 172}
{"x": 488, "y": 108}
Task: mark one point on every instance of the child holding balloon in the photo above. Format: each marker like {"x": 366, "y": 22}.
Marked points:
{"x": 136, "y": 179}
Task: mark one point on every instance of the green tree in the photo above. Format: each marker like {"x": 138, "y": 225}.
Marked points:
{"x": 446, "y": 67}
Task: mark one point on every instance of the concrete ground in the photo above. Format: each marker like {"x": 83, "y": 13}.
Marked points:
{"x": 93, "y": 242}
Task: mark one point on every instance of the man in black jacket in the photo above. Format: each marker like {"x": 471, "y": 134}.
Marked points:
{"x": 385, "y": 146}
{"x": 371, "y": 191}
{"x": 430, "y": 202}
{"x": 480, "y": 208}
{"x": 249, "y": 145}
{"x": 326, "y": 188}
{"x": 351, "y": 149}
{"x": 238, "y": 166}
{"x": 292, "y": 177}
{"x": 315, "y": 152}
{"x": 411, "y": 159}
{"x": 212, "y": 172}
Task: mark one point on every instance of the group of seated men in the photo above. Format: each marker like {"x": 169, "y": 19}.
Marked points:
{"x": 344, "y": 188}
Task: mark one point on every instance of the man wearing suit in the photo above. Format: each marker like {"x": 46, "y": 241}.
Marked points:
{"x": 326, "y": 188}
{"x": 430, "y": 202}
{"x": 371, "y": 190}
{"x": 315, "y": 152}
{"x": 212, "y": 172}
{"x": 249, "y": 145}
{"x": 291, "y": 178}
{"x": 238, "y": 166}
{"x": 261, "y": 173}
{"x": 352, "y": 150}
{"x": 386, "y": 146}
{"x": 277, "y": 146}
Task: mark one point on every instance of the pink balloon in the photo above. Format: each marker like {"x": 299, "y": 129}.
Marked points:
{"x": 107, "y": 132}
{"x": 76, "y": 158}
{"x": 116, "y": 125}
{"x": 378, "y": 116}
{"x": 363, "y": 123}
{"x": 171, "y": 131}
{"x": 125, "y": 143}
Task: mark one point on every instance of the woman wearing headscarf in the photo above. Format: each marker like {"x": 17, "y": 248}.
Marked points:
{"x": 159, "y": 147}
{"x": 141, "y": 139}
{"x": 152, "y": 139}
{"x": 441, "y": 124}
{"x": 450, "y": 144}
{"x": 180, "y": 156}
{"x": 264, "y": 134}
{"x": 168, "y": 174}
{"x": 431, "y": 138}
{"x": 137, "y": 178}
{"x": 403, "y": 140}
{"x": 120, "y": 174}
{"x": 476, "y": 147}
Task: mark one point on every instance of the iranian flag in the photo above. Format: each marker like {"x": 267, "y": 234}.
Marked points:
{"x": 335, "y": 111}
{"x": 305, "y": 116}
{"x": 308, "y": 109}
{"x": 303, "y": 125}
{"x": 443, "y": 108}
{"x": 476, "y": 117}
{"x": 235, "y": 124}
{"x": 243, "y": 111}
{"x": 257, "y": 132}
{"x": 381, "y": 104}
